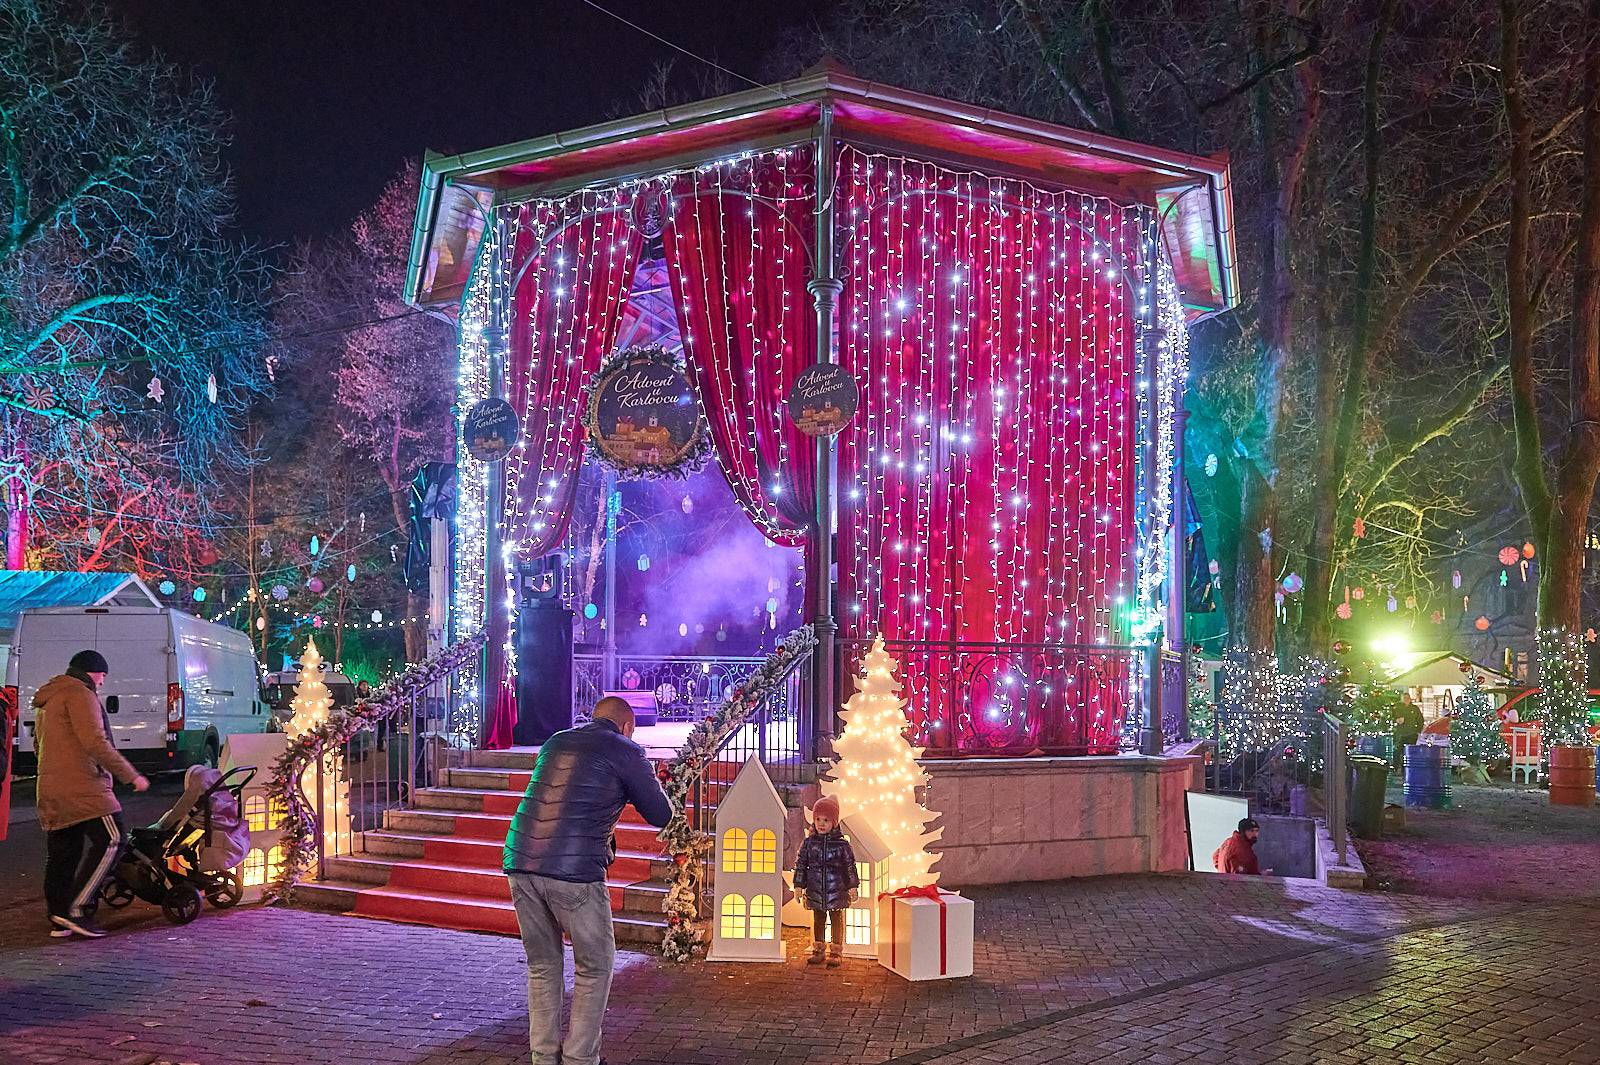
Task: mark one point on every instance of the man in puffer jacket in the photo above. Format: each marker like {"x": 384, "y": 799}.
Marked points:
{"x": 77, "y": 809}
{"x": 560, "y": 844}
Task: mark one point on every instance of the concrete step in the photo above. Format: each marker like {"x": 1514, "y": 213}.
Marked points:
{"x": 475, "y": 881}
{"x": 640, "y": 931}
{"x": 489, "y": 854}
{"x": 632, "y": 833}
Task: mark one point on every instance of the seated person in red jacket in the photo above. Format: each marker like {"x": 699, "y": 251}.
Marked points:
{"x": 1238, "y": 853}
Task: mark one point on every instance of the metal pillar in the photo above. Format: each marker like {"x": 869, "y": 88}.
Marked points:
{"x": 1178, "y": 562}
{"x": 824, "y": 291}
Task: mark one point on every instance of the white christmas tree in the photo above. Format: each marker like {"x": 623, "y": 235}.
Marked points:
{"x": 311, "y": 703}
{"x": 876, "y": 774}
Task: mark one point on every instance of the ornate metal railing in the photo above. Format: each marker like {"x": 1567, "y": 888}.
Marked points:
{"x": 969, "y": 699}
{"x": 687, "y": 687}
{"x": 1174, "y": 699}
{"x": 340, "y": 779}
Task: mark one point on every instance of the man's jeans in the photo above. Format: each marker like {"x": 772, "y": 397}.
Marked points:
{"x": 545, "y": 909}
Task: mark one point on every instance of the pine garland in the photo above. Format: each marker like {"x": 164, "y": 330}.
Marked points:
{"x": 687, "y": 845}
{"x": 300, "y": 821}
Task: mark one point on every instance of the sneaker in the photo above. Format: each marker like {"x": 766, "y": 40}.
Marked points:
{"x": 60, "y": 933}
{"x": 83, "y": 926}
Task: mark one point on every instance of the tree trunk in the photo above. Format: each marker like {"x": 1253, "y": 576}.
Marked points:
{"x": 17, "y": 498}
{"x": 1254, "y": 613}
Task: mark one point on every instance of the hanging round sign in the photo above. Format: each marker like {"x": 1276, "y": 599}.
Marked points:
{"x": 823, "y": 400}
{"x": 490, "y": 429}
{"x": 640, "y": 416}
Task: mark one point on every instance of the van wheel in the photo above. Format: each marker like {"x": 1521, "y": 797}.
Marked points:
{"x": 212, "y": 755}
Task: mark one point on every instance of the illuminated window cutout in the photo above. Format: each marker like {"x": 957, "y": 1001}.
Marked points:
{"x": 858, "y": 926}
{"x": 733, "y": 923}
{"x": 735, "y": 851}
{"x": 255, "y": 813}
{"x": 254, "y": 873}
{"x": 763, "y": 917}
{"x": 763, "y": 852}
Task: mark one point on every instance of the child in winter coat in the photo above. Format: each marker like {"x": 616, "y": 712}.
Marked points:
{"x": 825, "y": 879}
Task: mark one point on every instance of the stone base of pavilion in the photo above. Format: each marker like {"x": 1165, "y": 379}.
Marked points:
{"x": 1016, "y": 819}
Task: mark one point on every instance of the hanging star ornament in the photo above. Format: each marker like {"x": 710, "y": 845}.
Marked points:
{"x": 156, "y": 391}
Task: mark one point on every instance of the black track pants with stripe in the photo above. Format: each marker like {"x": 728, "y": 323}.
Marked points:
{"x": 78, "y": 858}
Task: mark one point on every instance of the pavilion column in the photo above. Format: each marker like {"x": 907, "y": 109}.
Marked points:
{"x": 824, "y": 289}
{"x": 1178, "y": 562}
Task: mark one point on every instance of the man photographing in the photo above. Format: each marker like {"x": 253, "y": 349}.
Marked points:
{"x": 557, "y": 852}
{"x": 78, "y": 811}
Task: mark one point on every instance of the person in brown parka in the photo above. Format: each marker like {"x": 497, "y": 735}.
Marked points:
{"x": 78, "y": 811}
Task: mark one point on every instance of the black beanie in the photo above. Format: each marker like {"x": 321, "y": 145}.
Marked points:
{"x": 89, "y": 662}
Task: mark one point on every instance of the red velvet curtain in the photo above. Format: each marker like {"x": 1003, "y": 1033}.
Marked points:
{"x": 987, "y": 484}
{"x": 572, "y": 262}
{"x": 738, "y": 240}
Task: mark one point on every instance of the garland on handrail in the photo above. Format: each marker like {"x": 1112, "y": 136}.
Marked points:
{"x": 687, "y": 845}
{"x": 300, "y": 821}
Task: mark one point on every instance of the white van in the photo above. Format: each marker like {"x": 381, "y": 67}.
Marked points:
{"x": 178, "y": 686}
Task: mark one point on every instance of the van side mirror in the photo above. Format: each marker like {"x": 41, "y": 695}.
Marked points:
{"x": 111, "y": 704}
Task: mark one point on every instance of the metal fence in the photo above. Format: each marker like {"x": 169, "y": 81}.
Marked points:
{"x": 383, "y": 766}
{"x": 687, "y": 687}
{"x": 999, "y": 699}
{"x": 1174, "y": 699}
{"x": 1336, "y": 783}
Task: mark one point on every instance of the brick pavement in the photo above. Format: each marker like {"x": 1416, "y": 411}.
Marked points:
{"x": 1135, "y": 968}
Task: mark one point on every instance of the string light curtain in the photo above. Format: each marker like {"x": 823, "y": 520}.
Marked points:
{"x": 987, "y": 485}
{"x": 737, "y": 240}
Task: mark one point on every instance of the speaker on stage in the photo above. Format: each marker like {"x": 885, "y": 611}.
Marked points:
{"x": 544, "y": 653}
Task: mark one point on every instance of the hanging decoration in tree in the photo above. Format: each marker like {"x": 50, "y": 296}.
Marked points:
{"x": 315, "y": 584}
{"x": 1293, "y": 583}
{"x": 1392, "y": 604}
{"x": 279, "y": 592}
{"x": 876, "y": 776}
{"x": 155, "y": 390}
{"x": 1211, "y": 465}
{"x": 1509, "y": 556}
{"x": 211, "y": 387}
{"x": 1342, "y": 611}
{"x": 1475, "y": 726}
{"x": 640, "y": 416}
{"x": 1481, "y": 624}
{"x": 1455, "y": 578}
{"x": 1358, "y": 593}
{"x": 168, "y": 587}
{"x": 316, "y": 545}
{"x": 1527, "y": 549}
{"x": 1359, "y": 527}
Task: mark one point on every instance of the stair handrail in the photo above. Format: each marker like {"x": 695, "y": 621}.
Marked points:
{"x": 684, "y": 775}
{"x": 303, "y": 817}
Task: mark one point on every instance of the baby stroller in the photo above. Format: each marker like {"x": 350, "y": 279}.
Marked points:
{"x": 193, "y": 851}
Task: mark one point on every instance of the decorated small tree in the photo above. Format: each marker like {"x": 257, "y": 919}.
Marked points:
{"x": 876, "y": 775}
{"x": 311, "y": 706}
{"x": 1373, "y": 711}
{"x": 1202, "y": 708}
{"x": 1475, "y": 727}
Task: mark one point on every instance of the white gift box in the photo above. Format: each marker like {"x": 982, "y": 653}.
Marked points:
{"x": 925, "y": 940}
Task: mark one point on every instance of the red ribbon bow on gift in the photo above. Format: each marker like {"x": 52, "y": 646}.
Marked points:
{"x": 933, "y": 894}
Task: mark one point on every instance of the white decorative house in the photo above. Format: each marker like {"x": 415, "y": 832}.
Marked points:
{"x": 748, "y": 880}
{"x": 262, "y": 815}
{"x": 872, "y": 867}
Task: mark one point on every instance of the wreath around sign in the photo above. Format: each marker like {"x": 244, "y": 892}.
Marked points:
{"x": 694, "y": 455}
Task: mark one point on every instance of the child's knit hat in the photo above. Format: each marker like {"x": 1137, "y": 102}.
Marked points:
{"x": 828, "y": 807}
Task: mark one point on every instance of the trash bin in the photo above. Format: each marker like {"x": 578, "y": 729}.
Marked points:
{"x": 1366, "y": 796}
{"x": 1428, "y": 776}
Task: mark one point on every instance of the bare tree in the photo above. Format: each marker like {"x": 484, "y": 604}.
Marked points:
{"x": 129, "y": 327}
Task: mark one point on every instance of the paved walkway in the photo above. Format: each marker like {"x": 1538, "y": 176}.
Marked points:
{"x": 1136, "y": 969}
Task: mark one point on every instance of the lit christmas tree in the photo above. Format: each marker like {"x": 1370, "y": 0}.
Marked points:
{"x": 876, "y": 775}
{"x": 311, "y": 705}
{"x": 1475, "y": 727}
{"x": 1373, "y": 711}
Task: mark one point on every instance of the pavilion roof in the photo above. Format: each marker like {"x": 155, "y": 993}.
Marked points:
{"x": 1192, "y": 192}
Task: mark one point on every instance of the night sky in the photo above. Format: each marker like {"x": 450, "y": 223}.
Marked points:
{"x": 328, "y": 99}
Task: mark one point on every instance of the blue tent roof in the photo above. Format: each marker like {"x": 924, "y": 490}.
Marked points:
{"x": 22, "y": 589}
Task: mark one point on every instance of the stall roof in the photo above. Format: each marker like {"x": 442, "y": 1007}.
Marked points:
{"x": 25, "y": 589}
{"x": 1421, "y": 669}
{"x": 1192, "y": 192}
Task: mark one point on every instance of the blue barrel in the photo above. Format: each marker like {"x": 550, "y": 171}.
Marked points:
{"x": 1428, "y": 776}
